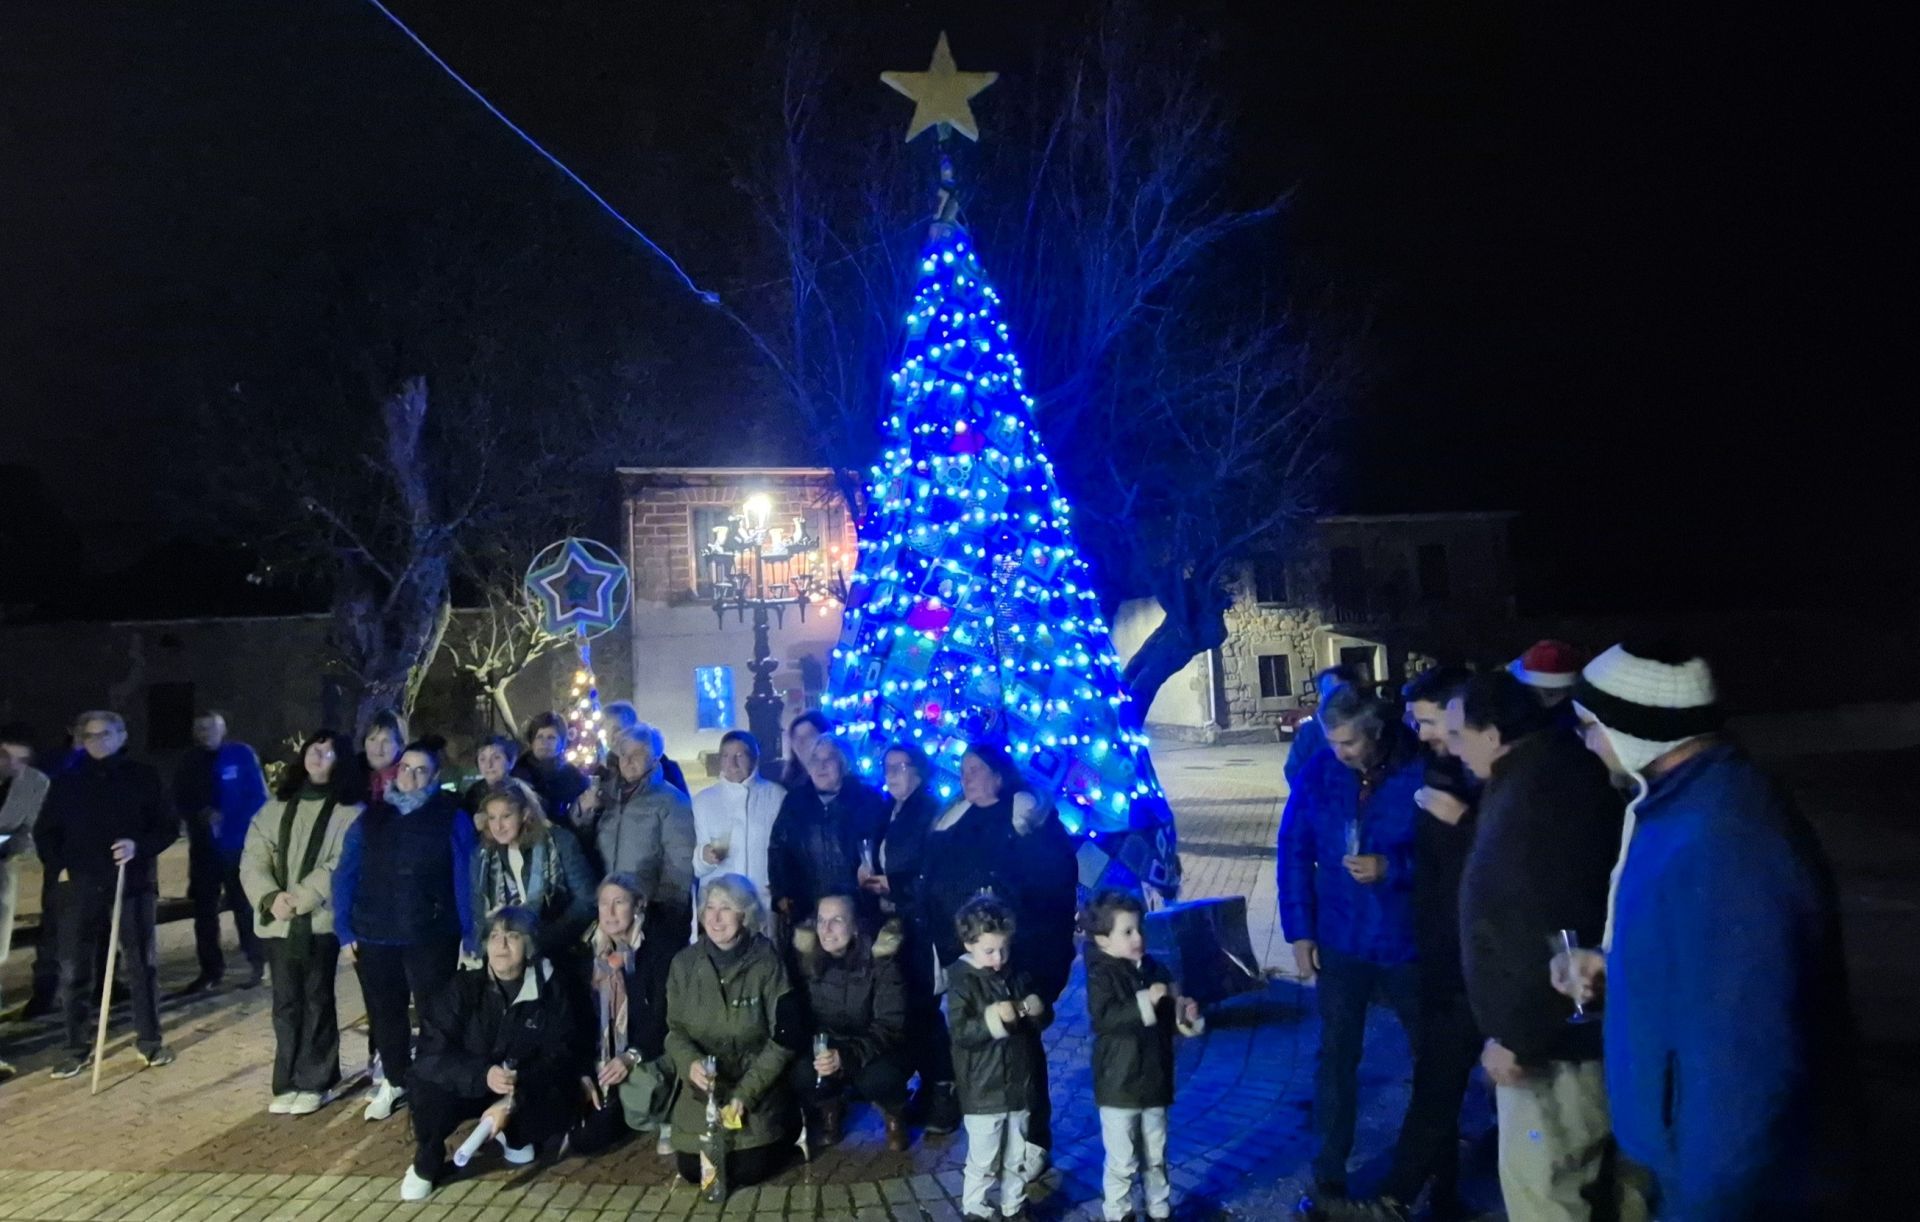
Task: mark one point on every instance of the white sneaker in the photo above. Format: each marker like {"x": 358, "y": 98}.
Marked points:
{"x": 386, "y": 1097}
{"x": 281, "y": 1103}
{"x": 414, "y": 1186}
{"x": 664, "y": 1146}
{"x": 304, "y": 1103}
{"x": 519, "y": 1156}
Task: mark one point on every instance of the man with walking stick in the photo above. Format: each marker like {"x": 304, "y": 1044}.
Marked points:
{"x": 105, "y": 823}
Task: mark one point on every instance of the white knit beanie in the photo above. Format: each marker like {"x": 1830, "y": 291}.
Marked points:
{"x": 1647, "y": 701}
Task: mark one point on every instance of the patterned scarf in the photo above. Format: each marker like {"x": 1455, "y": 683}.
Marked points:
{"x": 611, "y": 968}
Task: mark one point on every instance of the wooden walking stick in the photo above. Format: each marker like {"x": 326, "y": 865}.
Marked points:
{"x": 106, "y": 986}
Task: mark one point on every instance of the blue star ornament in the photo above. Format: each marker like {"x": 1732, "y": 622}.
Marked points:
{"x": 579, "y": 591}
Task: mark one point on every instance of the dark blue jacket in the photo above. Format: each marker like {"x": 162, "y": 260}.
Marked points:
{"x": 395, "y": 887}
{"x": 1728, "y": 1039}
{"x": 1318, "y": 898}
{"x": 227, "y": 780}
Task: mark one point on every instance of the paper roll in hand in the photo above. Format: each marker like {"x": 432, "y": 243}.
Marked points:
{"x": 481, "y": 1135}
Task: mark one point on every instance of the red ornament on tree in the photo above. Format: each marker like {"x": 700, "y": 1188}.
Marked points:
{"x": 966, "y": 440}
{"x": 929, "y": 616}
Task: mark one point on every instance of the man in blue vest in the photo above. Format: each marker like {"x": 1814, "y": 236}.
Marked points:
{"x": 217, "y": 788}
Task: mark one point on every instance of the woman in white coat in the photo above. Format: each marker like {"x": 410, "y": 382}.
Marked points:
{"x": 733, "y": 817}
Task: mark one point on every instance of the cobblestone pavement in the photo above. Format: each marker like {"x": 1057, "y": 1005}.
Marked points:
{"x": 192, "y": 1142}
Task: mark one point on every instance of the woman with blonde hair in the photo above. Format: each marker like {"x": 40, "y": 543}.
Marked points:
{"x": 728, "y": 1000}
{"x": 524, "y": 861}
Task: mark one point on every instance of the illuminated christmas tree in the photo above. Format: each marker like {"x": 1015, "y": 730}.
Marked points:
{"x": 972, "y": 616}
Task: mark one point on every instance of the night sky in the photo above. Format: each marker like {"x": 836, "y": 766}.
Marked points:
{"x": 1633, "y": 271}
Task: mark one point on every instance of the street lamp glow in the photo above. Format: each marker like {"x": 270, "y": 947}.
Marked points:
{"x": 759, "y": 508}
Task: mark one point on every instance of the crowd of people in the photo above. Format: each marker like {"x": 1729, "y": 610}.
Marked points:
{"x": 566, "y": 957}
{"x": 1570, "y": 878}
{"x": 1563, "y": 876}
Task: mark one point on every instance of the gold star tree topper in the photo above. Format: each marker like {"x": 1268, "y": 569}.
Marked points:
{"x": 941, "y": 93}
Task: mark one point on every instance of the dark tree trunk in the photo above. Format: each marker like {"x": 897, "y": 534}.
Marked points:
{"x": 1196, "y": 622}
{"x": 390, "y": 610}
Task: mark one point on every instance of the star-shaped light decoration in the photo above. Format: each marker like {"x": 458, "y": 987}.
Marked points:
{"x": 580, "y": 591}
{"x": 940, "y": 94}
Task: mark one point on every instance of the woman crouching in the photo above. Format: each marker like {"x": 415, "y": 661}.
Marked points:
{"x": 499, "y": 1042}
{"x": 633, "y": 1079}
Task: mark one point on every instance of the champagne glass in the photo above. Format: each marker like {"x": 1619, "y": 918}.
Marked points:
{"x": 1565, "y": 942}
{"x": 1353, "y": 837}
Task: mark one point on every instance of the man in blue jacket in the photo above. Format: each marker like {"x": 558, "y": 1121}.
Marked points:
{"x": 1346, "y": 900}
{"x": 217, "y": 789}
{"x": 1729, "y": 1041}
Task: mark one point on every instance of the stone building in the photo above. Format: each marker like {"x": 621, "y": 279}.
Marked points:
{"x": 1366, "y": 590}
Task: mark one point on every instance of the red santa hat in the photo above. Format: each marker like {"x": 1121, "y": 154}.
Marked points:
{"x": 1549, "y": 664}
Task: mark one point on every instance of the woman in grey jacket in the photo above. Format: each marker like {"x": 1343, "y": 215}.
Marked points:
{"x": 644, "y": 827}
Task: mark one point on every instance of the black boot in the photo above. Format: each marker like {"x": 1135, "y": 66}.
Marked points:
{"x": 943, "y": 1110}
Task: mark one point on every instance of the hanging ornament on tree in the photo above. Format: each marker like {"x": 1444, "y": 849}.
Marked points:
{"x": 972, "y": 603}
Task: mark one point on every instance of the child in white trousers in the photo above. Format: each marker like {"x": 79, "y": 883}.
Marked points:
{"x": 996, "y": 1020}
{"x": 1131, "y": 1002}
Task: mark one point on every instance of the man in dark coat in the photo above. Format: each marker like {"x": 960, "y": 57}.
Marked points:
{"x": 499, "y": 1041}
{"x": 217, "y": 788}
{"x": 105, "y": 812}
{"x": 856, "y": 1000}
{"x": 1549, "y": 826}
{"x": 820, "y": 834}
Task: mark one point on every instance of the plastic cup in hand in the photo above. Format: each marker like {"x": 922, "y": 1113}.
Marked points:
{"x": 1566, "y": 942}
{"x": 721, "y": 845}
{"x": 1353, "y": 837}
{"x": 866, "y": 857}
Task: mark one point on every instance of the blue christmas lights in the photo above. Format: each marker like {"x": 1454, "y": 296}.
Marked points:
{"x": 972, "y": 616}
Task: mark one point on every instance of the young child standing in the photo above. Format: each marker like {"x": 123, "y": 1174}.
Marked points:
{"x": 996, "y": 1021}
{"x": 1131, "y": 1002}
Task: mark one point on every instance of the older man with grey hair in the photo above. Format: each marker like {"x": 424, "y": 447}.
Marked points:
{"x": 1346, "y": 902}
{"x": 105, "y": 815}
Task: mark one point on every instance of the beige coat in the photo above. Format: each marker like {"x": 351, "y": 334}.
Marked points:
{"x": 259, "y": 859}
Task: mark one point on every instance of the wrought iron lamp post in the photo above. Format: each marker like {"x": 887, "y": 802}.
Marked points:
{"x": 758, "y": 567}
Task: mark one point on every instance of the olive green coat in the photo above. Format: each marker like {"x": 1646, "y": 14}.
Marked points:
{"x": 733, "y": 1018}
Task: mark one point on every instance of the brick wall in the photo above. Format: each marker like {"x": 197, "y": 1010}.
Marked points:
{"x": 661, "y": 507}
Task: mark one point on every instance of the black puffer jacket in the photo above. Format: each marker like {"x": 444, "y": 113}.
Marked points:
{"x": 471, "y": 1025}
{"x": 859, "y": 1000}
{"x": 1548, "y": 836}
{"x": 1439, "y": 859}
{"x": 96, "y": 802}
{"x": 994, "y": 1064}
{"x": 975, "y": 854}
{"x": 907, "y": 863}
{"x": 1132, "y": 1059}
{"x": 815, "y": 847}
{"x": 1046, "y": 898}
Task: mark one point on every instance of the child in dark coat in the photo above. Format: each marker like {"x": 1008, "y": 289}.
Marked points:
{"x": 1135, "y": 1012}
{"x": 996, "y": 1019}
